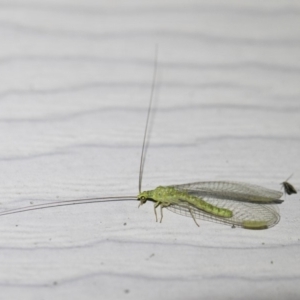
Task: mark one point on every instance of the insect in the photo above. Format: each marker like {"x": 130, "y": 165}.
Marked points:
{"x": 231, "y": 203}
{"x": 288, "y": 188}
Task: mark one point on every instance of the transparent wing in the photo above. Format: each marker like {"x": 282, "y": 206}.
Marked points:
{"x": 245, "y": 214}
{"x": 231, "y": 190}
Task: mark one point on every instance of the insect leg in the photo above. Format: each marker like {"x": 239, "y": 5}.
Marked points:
{"x": 161, "y": 213}
{"x": 193, "y": 217}
{"x": 155, "y": 206}
{"x": 162, "y": 205}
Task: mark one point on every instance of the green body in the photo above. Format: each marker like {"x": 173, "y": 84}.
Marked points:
{"x": 166, "y": 196}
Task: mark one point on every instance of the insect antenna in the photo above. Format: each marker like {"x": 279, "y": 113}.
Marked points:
{"x": 101, "y": 199}
{"x": 145, "y": 144}
{"x": 66, "y": 203}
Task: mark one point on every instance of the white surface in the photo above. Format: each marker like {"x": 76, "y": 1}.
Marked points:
{"x": 75, "y": 82}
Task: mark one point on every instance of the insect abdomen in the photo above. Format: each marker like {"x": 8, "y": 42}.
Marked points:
{"x": 203, "y": 205}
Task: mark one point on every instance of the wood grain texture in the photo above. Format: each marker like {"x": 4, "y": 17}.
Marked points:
{"x": 75, "y": 83}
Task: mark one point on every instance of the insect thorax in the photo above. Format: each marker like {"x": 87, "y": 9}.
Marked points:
{"x": 160, "y": 194}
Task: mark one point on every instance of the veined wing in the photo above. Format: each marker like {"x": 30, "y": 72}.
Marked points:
{"x": 231, "y": 190}
{"x": 248, "y": 215}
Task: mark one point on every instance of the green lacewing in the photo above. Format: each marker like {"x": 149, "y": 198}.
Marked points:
{"x": 230, "y": 203}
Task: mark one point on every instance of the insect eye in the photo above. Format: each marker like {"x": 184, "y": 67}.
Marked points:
{"x": 143, "y": 199}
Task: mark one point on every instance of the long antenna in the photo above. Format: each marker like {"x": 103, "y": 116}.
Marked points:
{"x": 142, "y": 162}
{"x": 66, "y": 203}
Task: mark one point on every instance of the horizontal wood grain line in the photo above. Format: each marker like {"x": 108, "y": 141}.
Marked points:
{"x": 65, "y": 117}
{"x": 278, "y": 10}
{"x": 182, "y": 35}
{"x": 134, "y": 61}
{"x": 120, "y": 242}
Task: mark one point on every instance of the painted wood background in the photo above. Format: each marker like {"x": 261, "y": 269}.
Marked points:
{"x": 75, "y": 81}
